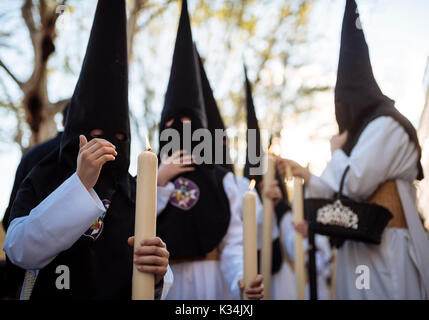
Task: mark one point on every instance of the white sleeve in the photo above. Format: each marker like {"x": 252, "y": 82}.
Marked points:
{"x": 163, "y": 196}
{"x": 53, "y": 226}
{"x": 317, "y": 188}
{"x": 288, "y": 235}
{"x": 231, "y": 246}
{"x": 383, "y": 151}
{"x": 323, "y": 254}
{"x": 168, "y": 282}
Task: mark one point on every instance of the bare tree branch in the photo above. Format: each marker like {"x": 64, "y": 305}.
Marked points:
{"x": 132, "y": 28}
{"x": 157, "y": 13}
{"x": 27, "y": 15}
{"x": 19, "y": 83}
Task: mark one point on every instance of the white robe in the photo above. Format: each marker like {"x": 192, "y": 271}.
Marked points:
{"x": 399, "y": 266}
{"x": 53, "y": 226}
{"x": 281, "y": 285}
{"x": 211, "y": 280}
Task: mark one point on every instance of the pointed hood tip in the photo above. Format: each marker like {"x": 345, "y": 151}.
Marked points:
{"x": 252, "y": 123}
{"x": 214, "y": 118}
{"x": 184, "y": 92}
{"x": 100, "y": 97}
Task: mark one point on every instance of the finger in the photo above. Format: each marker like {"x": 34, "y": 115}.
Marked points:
{"x": 186, "y": 159}
{"x": 255, "y": 296}
{"x": 241, "y": 283}
{"x": 96, "y": 143}
{"x": 151, "y": 261}
{"x": 185, "y": 169}
{"x": 152, "y": 251}
{"x": 177, "y": 154}
{"x": 88, "y": 144}
{"x": 258, "y": 281}
{"x": 103, "y": 159}
{"x": 131, "y": 241}
{"x": 153, "y": 241}
{"x": 82, "y": 141}
{"x": 257, "y": 290}
{"x": 97, "y": 153}
{"x": 153, "y": 269}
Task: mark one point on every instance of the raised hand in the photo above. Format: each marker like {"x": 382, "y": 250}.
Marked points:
{"x": 174, "y": 166}
{"x": 92, "y": 156}
{"x": 296, "y": 169}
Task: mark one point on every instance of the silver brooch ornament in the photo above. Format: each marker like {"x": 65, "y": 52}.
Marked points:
{"x": 338, "y": 215}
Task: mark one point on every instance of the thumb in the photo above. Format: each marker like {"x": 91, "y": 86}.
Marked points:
{"x": 241, "y": 284}
{"x": 131, "y": 241}
{"x": 82, "y": 141}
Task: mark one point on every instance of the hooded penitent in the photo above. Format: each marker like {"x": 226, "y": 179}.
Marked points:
{"x": 100, "y": 261}
{"x": 283, "y": 206}
{"x": 214, "y": 119}
{"x": 358, "y": 98}
{"x": 197, "y": 215}
{"x": 252, "y": 123}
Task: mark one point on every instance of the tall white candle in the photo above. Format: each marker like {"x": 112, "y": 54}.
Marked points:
{"x": 267, "y": 228}
{"x": 143, "y": 285}
{"x": 250, "y": 247}
{"x": 298, "y": 216}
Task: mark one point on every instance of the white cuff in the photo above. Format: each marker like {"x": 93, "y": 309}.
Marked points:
{"x": 163, "y": 196}
{"x": 168, "y": 282}
{"x": 53, "y": 226}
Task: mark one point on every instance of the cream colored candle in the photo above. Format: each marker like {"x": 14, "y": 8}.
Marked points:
{"x": 298, "y": 216}
{"x": 145, "y": 223}
{"x": 267, "y": 229}
{"x": 250, "y": 237}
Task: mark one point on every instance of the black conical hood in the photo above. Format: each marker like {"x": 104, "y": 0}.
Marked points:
{"x": 252, "y": 123}
{"x": 100, "y": 98}
{"x": 184, "y": 93}
{"x": 358, "y": 98}
{"x": 356, "y": 92}
{"x": 214, "y": 118}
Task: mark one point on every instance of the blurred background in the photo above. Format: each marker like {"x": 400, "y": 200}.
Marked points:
{"x": 290, "y": 47}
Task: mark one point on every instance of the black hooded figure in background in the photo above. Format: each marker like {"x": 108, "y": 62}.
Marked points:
{"x": 199, "y": 215}
{"x": 381, "y": 149}
{"x": 214, "y": 119}
{"x": 276, "y": 192}
{"x": 14, "y": 275}
{"x": 74, "y": 213}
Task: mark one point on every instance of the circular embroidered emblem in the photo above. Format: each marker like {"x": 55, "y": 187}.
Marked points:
{"x": 185, "y": 195}
{"x": 97, "y": 226}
